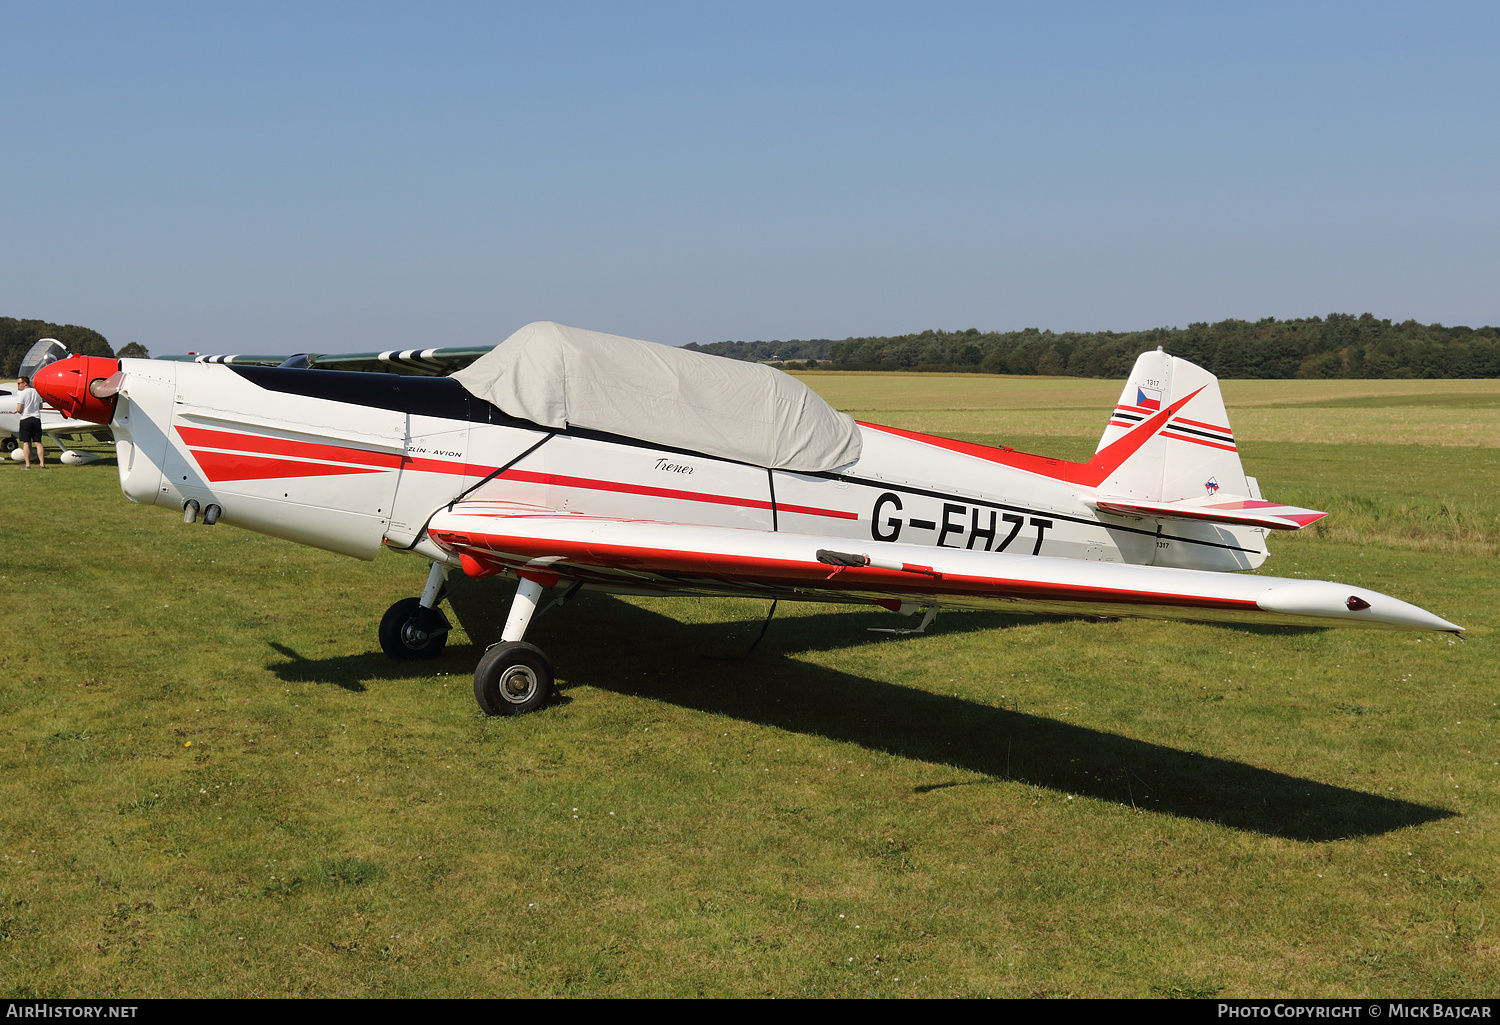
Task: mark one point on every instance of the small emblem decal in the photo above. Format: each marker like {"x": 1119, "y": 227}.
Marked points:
{"x": 1211, "y": 485}
{"x": 1148, "y": 398}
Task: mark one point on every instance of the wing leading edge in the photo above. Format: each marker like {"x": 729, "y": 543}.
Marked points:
{"x": 649, "y": 556}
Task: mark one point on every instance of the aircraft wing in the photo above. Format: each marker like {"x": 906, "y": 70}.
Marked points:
{"x": 435, "y": 362}
{"x": 238, "y": 359}
{"x": 56, "y": 426}
{"x": 655, "y": 557}
{"x": 77, "y": 429}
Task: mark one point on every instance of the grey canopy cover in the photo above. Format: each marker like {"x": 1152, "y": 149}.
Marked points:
{"x": 556, "y": 376}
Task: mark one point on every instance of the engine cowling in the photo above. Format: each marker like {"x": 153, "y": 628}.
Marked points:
{"x": 65, "y": 386}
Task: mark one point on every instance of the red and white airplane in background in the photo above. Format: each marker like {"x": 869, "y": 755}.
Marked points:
{"x": 55, "y": 426}
{"x": 572, "y": 459}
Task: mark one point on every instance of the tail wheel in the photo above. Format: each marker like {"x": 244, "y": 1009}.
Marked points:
{"x": 409, "y": 631}
{"x": 512, "y": 678}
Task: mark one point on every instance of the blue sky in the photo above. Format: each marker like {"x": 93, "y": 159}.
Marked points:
{"x": 281, "y": 177}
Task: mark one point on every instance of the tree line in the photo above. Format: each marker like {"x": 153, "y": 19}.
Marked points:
{"x": 1339, "y": 345}
{"x": 768, "y": 352}
{"x": 18, "y": 336}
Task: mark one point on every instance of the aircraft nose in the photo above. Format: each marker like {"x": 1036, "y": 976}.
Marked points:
{"x": 65, "y": 387}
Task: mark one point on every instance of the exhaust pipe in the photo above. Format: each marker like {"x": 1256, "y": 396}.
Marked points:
{"x": 211, "y": 515}
{"x": 190, "y": 511}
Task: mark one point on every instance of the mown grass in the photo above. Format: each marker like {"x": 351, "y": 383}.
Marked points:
{"x": 1001, "y": 410}
{"x": 214, "y": 784}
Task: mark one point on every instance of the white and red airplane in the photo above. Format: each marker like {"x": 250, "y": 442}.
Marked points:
{"x": 572, "y": 459}
{"x": 55, "y": 426}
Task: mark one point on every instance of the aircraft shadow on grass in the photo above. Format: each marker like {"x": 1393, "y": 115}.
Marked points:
{"x": 616, "y": 646}
{"x": 348, "y": 673}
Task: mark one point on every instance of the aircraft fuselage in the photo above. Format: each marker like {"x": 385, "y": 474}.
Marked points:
{"x": 348, "y": 461}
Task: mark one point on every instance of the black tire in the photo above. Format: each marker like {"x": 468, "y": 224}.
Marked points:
{"x": 512, "y": 678}
{"x": 9, "y": 445}
{"x": 400, "y": 637}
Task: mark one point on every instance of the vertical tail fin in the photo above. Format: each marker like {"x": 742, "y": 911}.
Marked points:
{"x": 1193, "y": 454}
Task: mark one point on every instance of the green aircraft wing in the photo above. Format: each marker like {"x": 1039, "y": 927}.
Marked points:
{"x": 436, "y": 362}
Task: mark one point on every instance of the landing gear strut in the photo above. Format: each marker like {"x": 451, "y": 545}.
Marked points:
{"x": 515, "y": 677}
{"x": 416, "y": 627}
{"x": 512, "y": 677}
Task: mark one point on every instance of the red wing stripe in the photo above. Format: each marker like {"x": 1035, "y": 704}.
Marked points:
{"x": 1249, "y": 503}
{"x": 759, "y": 569}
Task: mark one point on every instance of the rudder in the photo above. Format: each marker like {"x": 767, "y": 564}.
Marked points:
{"x": 1193, "y": 455}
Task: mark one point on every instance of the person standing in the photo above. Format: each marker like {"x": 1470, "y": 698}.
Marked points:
{"x": 30, "y": 408}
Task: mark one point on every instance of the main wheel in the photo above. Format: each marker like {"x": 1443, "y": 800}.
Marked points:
{"x": 9, "y": 444}
{"x": 409, "y": 631}
{"x": 512, "y": 678}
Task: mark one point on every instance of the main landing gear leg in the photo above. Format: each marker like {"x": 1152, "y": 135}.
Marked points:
{"x": 515, "y": 677}
{"x": 416, "y": 627}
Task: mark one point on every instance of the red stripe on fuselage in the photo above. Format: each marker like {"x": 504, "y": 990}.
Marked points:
{"x": 425, "y": 465}
{"x": 264, "y": 445}
{"x": 202, "y": 437}
{"x": 1090, "y": 474}
{"x": 222, "y": 466}
{"x": 236, "y": 465}
{"x": 560, "y": 480}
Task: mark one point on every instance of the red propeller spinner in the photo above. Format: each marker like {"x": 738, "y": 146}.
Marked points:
{"x": 76, "y": 387}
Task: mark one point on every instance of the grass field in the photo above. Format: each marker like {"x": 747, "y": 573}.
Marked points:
{"x": 213, "y": 784}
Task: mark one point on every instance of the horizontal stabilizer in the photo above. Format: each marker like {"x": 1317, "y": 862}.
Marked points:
{"x": 1232, "y": 509}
